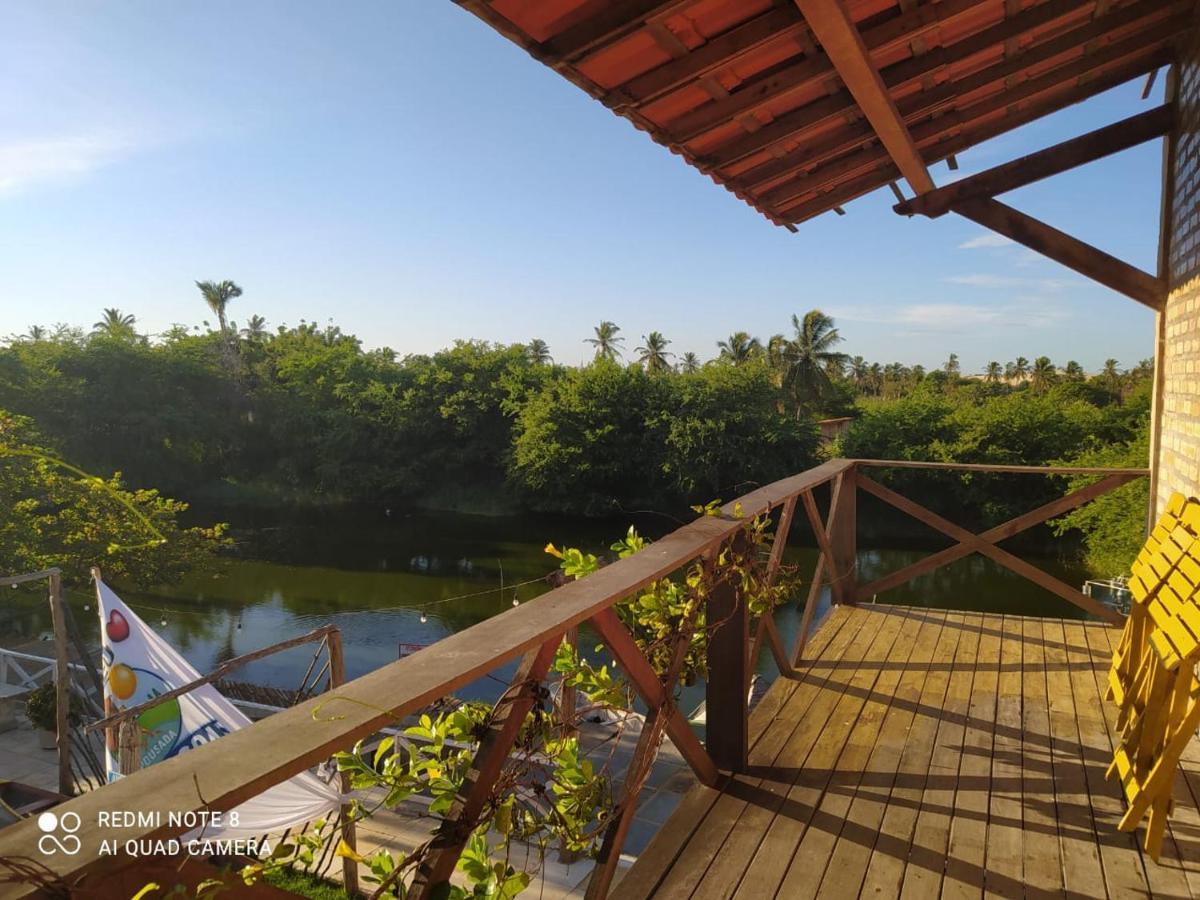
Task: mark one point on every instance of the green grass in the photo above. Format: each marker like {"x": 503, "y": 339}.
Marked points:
{"x": 306, "y": 885}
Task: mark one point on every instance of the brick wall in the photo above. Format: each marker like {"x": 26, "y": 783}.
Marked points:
{"x": 1178, "y": 463}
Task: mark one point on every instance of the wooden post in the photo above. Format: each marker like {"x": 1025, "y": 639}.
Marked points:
{"x": 567, "y": 695}
{"x": 844, "y": 539}
{"x": 728, "y": 686}
{"x": 62, "y": 686}
{"x": 129, "y": 747}
{"x": 337, "y": 677}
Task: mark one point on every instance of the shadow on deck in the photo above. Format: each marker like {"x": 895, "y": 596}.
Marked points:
{"x": 924, "y": 753}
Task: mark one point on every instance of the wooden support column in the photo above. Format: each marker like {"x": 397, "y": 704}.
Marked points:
{"x": 62, "y": 686}
{"x": 1165, "y": 239}
{"x": 337, "y": 677}
{"x": 727, "y": 688}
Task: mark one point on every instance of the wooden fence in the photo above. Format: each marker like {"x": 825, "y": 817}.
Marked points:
{"x": 222, "y": 774}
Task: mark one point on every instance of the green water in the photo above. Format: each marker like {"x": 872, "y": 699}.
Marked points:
{"x": 386, "y": 580}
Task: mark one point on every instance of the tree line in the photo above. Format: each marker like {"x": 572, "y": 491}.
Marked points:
{"x": 224, "y": 415}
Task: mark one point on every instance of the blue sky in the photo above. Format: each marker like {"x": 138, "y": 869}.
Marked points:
{"x": 403, "y": 170}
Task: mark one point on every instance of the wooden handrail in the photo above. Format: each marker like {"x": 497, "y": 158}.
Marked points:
{"x": 224, "y": 773}
{"x": 999, "y": 469}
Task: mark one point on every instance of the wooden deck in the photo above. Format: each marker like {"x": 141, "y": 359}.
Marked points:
{"x": 921, "y": 754}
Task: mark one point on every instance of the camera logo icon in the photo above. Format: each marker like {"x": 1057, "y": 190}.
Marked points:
{"x": 58, "y": 833}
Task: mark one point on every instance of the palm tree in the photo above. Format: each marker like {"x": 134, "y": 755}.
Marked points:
{"x": 739, "y": 348}
{"x": 875, "y": 378}
{"x": 653, "y": 352}
{"x": 1111, "y": 376}
{"x": 812, "y": 357}
{"x": 859, "y": 371}
{"x": 255, "y": 329}
{"x": 779, "y": 350}
{"x": 115, "y": 324}
{"x": 1020, "y": 370}
{"x": 36, "y": 333}
{"x": 217, "y": 295}
{"x": 1043, "y": 374}
{"x": 689, "y": 363}
{"x": 606, "y": 341}
{"x": 993, "y": 373}
{"x": 538, "y": 352}
{"x": 1073, "y": 371}
{"x": 952, "y": 367}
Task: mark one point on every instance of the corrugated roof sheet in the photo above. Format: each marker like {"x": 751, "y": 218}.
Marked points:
{"x": 742, "y": 90}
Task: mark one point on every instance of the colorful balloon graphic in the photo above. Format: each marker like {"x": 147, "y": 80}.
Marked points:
{"x": 121, "y": 681}
{"x": 117, "y": 627}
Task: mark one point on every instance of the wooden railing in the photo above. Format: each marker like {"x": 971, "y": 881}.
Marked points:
{"x": 223, "y": 774}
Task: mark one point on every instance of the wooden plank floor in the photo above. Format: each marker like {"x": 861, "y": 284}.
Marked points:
{"x": 924, "y": 753}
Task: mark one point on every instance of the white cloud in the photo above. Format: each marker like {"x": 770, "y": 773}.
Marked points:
{"x": 950, "y": 318}
{"x": 27, "y": 163}
{"x": 987, "y": 239}
{"x": 991, "y": 280}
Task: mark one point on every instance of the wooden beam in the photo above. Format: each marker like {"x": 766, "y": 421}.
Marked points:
{"x": 979, "y": 545}
{"x": 772, "y": 25}
{"x": 646, "y": 681}
{"x": 999, "y": 469}
{"x": 775, "y": 645}
{"x": 820, "y": 112}
{"x": 612, "y": 22}
{"x": 14, "y": 580}
{"x": 939, "y": 99}
{"x": 947, "y": 134}
{"x": 843, "y": 534}
{"x": 777, "y": 85}
{"x": 1070, "y": 252}
{"x": 644, "y": 754}
{"x": 840, "y": 39}
{"x": 995, "y": 535}
{"x": 836, "y": 504}
{"x": 223, "y": 669}
{"x": 507, "y": 719}
{"x": 1044, "y": 163}
{"x": 779, "y": 545}
{"x": 821, "y": 533}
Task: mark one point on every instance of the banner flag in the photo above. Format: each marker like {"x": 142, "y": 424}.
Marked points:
{"x": 138, "y": 666}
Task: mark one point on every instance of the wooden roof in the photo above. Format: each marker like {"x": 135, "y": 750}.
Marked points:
{"x": 798, "y": 115}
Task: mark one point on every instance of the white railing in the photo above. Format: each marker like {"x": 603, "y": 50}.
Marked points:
{"x": 20, "y": 672}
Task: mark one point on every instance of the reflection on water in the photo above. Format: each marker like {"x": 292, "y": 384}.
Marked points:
{"x": 390, "y": 580}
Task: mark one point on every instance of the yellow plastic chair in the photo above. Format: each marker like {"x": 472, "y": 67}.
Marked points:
{"x": 1154, "y": 563}
{"x": 1154, "y": 672}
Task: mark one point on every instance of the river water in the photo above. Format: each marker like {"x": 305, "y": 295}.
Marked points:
{"x": 389, "y": 579}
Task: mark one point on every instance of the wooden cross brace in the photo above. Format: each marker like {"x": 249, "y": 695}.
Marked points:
{"x": 986, "y": 542}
